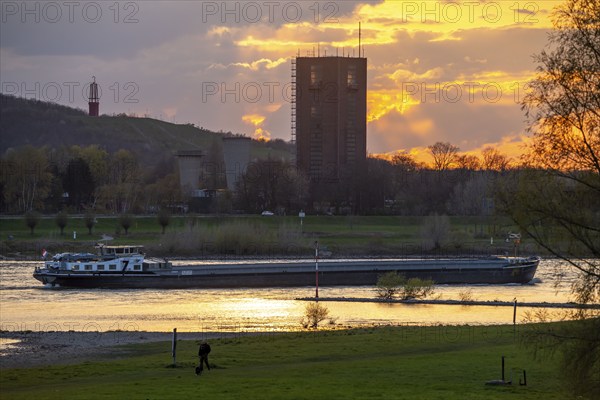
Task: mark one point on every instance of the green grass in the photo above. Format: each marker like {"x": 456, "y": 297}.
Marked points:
{"x": 343, "y": 235}
{"x": 380, "y": 363}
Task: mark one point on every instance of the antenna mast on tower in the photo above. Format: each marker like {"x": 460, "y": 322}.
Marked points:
{"x": 359, "y": 37}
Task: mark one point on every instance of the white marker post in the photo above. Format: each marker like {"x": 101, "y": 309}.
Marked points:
{"x": 515, "y": 317}
{"x": 301, "y": 214}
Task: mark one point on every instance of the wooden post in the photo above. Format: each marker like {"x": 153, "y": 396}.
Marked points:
{"x": 174, "y": 347}
{"x": 317, "y": 270}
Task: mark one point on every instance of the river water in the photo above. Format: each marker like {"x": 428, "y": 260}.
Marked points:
{"x": 25, "y": 304}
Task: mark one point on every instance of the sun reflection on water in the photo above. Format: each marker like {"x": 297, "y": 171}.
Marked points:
{"x": 26, "y": 305}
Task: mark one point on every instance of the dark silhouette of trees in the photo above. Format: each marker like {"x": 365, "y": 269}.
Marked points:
{"x": 125, "y": 221}
{"x": 123, "y": 188}
{"x": 32, "y": 219}
{"x": 90, "y": 220}
{"x": 556, "y": 201}
{"x": 493, "y": 160}
{"x": 26, "y": 177}
{"x": 62, "y": 219}
{"x": 271, "y": 185}
{"x": 164, "y": 218}
{"x": 468, "y": 162}
{"x": 563, "y": 109}
{"x": 444, "y": 155}
{"x": 435, "y": 232}
{"x": 78, "y": 183}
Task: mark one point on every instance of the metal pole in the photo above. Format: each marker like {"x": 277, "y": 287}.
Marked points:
{"x": 174, "y": 346}
{"x": 316, "y": 270}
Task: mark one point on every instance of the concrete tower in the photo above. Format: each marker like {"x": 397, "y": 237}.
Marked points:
{"x": 236, "y": 154}
{"x": 330, "y": 116}
{"x": 190, "y": 166}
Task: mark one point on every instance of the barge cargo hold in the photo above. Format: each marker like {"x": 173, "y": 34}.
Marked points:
{"x": 126, "y": 267}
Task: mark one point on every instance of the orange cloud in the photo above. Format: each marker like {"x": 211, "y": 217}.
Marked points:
{"x": 267, "y": 63}
{"x": 381, "y": 102}
{"x": 400, "y": 85}
{"x": 256, "y": 120}
{"x": 512, "y": 146}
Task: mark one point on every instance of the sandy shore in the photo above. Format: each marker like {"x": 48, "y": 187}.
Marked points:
{"x": 33, "y": 349}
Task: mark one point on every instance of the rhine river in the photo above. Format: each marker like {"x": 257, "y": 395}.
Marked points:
{"x": 25, "y": 304}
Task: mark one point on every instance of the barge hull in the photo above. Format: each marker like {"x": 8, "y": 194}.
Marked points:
{"x": 183, "y": 277}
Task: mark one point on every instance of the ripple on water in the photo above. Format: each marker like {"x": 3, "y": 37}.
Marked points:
{"x": 27, "y": 305}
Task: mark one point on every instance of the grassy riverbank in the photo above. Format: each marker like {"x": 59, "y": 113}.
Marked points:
{"x": 386, "y": 363}
{"x": 263, "y": 236}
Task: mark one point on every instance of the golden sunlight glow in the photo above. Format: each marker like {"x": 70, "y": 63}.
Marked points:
{"x": 253, "y": 119}
{"x": 398, "y": 85}
{"x": 511, "y": 146}
{"x": 267, "y": 63}
{"x": 419, "y": 154}
{"x": 381, "y": 102}
{"x": 259, "y": 305}
{"x": 256, "y": 121}
{"x": 383, "y": 21}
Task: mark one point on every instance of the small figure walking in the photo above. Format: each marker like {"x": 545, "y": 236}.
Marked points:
{"x": 203, "y": 355}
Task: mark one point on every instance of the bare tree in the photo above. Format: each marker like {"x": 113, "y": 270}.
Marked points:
{"x": 405, "y": 162}
{"x": 89, "y": 219}
{"x": 493, "y": 160}
{"x": 62, "y": 219}
{"x": 32, "y": 219}
{"x": 125, "y": 221}
{"x": 26, "y": 178}
{"x": 563, "y": 109}
{"x": 557, "y": 203}
{"x": 468, "y": 161}
{"x": 164, "y": 218}
{"x": 444, "y": 155}
{"x": 435, "y": 231}
{"x": 470, "y": 197}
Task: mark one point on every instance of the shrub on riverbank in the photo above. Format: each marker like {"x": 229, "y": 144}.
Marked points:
{"x": 392, "y": 284}
{"x": 239, "y": 238}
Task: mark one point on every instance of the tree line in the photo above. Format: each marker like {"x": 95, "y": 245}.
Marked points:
{"x": 81, "y": 179}
{"x": 455, "y": 184}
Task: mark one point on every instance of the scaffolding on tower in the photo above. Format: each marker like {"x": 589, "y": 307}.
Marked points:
{"x": 293, "y": 107}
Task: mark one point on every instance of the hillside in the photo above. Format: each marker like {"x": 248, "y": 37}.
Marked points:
{"x": 38, "y": 123}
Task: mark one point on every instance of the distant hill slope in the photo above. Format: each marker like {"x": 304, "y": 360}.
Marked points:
{"x": 38, "y": 123}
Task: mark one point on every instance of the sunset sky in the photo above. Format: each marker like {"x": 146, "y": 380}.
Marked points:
{"x": 437, "y": 71}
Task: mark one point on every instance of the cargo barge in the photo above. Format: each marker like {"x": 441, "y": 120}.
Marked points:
{"x": 117, "y": 267}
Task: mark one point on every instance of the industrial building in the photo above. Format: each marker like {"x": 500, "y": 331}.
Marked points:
{"x": 190, "y": 166}
{"x": 329, "y": 116}
{"x": 203, "y": 175}
{"x": 236, "y": 154}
